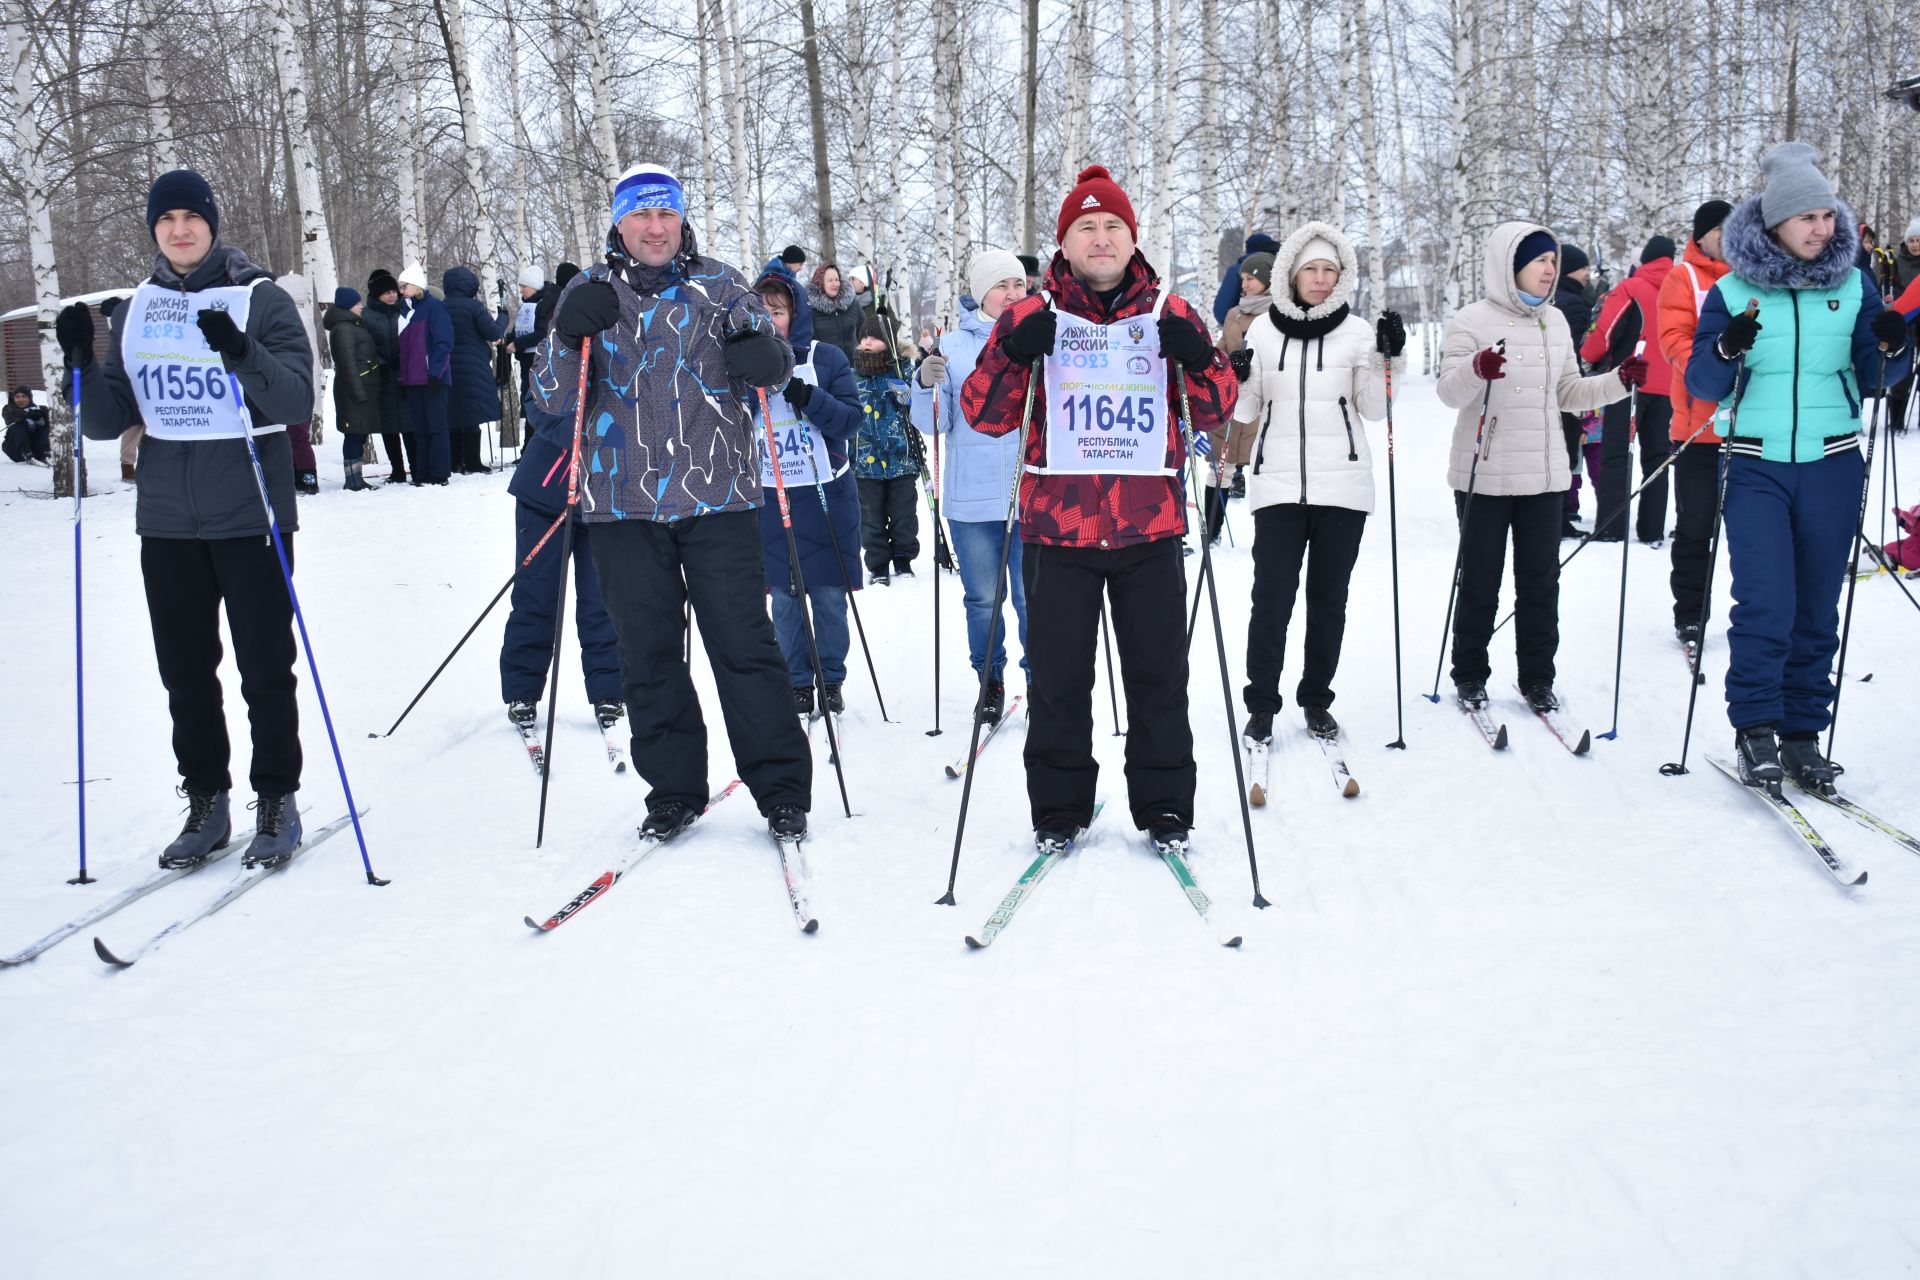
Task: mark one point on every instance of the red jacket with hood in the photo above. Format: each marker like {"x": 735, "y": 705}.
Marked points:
{"x": 1642, "y": 287}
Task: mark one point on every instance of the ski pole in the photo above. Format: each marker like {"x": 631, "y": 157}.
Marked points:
{"x": 78, "y": 465}
{"x": 797, "y": 588}
{"x": 1859, "y": 535}
{"x": 993, "y": 626}
{"x": 847, "y": 580}
{"x": 299, "y": 618}
{"x": 1113, "y": 692}
{"x": 935, "y": 731}
{"x": 566, "y": 559}
{"x": 1674, "y": 769}
{"x": 1399, "y": 742}
{"x": 1466, "y": 510}
{"x": 1626, "y": 548}
{"x": 1220, "y": 647}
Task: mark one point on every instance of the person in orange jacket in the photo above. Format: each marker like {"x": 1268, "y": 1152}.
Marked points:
{"x": 1642, "y": 290}
{"x": 1696, "y": 472}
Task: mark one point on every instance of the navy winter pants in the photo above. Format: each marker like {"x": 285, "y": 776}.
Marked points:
{"x": 526, "y": 651}
{"x": 1789, "y": 527}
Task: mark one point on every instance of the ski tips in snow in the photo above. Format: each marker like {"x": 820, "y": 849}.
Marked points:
{"x": 1797, "y": 822}
{"x": 100, "y": 949}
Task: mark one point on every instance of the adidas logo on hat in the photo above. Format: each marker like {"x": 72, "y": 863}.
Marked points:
{"x": 1091, "y": 202}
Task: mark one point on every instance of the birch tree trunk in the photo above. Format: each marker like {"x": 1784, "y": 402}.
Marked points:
{"x": 1210, "y": 153}
{"x": 579, "y": 222}
{"x": 1079, "y": 89}
{"x": 703, "y": 31}
{"x": 817, "y": 115}
{"x": 166, "y": 148}
{"x": 1350, "y": 19}
{"x": 896, "y": 72}
{"x": 1166, "y": 127}
{"x": 1460, "y": 157}
{"x": 944, "y": 56}
{"x": 1135, "y": 159}
{"x": 523, "y": 149}
{"x": 860, "y": 74}
{"x": 46, "y": 275}
{"x": 453, "y": 31}
{"x": 403, "y": 62}
{"x": 601, "y": 72}
{"x": 316, "y": 245}
{"x": 732, "y": 68}
{"x": 956, "y": 143}
{"x": 1370, "y": 163}
{"x": 1029, "y": 122}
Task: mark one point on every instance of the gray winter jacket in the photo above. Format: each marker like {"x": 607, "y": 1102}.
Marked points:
{"x": 206, "y": 488}
{"x": 667, "y": 433}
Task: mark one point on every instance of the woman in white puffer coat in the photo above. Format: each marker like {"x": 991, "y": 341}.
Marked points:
{"x": 1317, "y": 373}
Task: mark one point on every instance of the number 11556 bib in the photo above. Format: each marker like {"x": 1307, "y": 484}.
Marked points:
{"x": 1107, "y": 397}
{"x": 179, "y": 381}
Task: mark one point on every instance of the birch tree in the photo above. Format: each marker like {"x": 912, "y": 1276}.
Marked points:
{"x": 1166, "y": 127}
{"x": 817, "y": 114}
{"x": 522, "y": 245}
{"x": 453, "y": 30}
{"x": 600, "y": 71}
{"x": 166, "y": 148}
{"x": 568, "y": 142}
{"x": 731, "y": 64}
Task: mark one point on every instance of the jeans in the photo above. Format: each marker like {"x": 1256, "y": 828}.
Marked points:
{"x": 977, "y": 544}
{"x": 829, "y": 634}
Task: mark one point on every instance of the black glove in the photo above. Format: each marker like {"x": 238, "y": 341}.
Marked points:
{"x": 222, "y": 334}
{"x": 798, "y": 392}
{"x": 1031, "y": 338}
{"x": 589, "y": 308}
{"x": 1185, "y": 343}
{"x": 1390, "y": 334}
{"x": 1737, "y": 338}
{"x": 1890, "y": 330}
{"x": 74, "y": 328}
{"x": 1242, "y": 362}
{"x": 757, "y": 357}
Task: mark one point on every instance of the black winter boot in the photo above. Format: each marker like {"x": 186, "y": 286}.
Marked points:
{"x": 209, "y": 826}
{"x": 1320, "y": 722}
{"x": 1802, "y": 761}
{"x": 994, "y": 705}
{"x": 276, "y": 831}
{"x": 1758, "y": 756}
{"x": 1259, "y": 727}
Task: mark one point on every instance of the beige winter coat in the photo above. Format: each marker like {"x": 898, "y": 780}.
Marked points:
{"x": 1523, "y": 450}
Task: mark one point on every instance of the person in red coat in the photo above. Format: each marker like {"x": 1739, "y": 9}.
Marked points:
{"x": 1104, "y": 350}
{"x": 1636, "y": 300}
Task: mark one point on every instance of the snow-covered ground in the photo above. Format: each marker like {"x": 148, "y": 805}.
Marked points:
{"x": 1509, "y": 1015}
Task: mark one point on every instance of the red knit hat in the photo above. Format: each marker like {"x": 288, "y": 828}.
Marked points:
{"x": 1096, "y": 192}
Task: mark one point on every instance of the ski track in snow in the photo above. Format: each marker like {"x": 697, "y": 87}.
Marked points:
{"x": 1513, "y": 1014}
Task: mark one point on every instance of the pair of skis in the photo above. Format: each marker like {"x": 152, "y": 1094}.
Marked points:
{"x": 1797, "y": 822}
{"x": 793, "y": 868}
{"x": 1260, "y": 759}
{"x": 1049, "y": 851}
{"x": 611, "y": 734}
{"x": 958, "y": 768}
{"x": 244, "y": 881}
{"x": 1494, "y": 732}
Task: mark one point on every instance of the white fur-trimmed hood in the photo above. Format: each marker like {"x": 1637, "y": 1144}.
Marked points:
{"x": 1285, "y": 263}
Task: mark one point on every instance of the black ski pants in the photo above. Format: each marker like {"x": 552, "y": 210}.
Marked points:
{"x": 1534, "y": 520}
{"x": 1616, "y": 465}
{"x": 1328, "y": 540}
{"x": 648, "y": 572}
{"x": 1147, "y": 588}
{"x": 1696, "y": 492}
{"x": 889, "y": 523}
{"x": 188, "y": 580}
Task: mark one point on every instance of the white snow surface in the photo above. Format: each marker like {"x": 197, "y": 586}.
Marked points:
{"x": 1508, "y": 1015}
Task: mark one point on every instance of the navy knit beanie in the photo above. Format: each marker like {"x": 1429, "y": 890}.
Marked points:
{"x": 1572, "y": 258}
{"x": 181, "y": 189}
{"x": 1533, "y": 246}
{"x": 346, "y": 299}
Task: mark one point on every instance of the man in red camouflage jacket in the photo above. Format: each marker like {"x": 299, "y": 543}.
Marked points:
{"x": 1102, "y": 505}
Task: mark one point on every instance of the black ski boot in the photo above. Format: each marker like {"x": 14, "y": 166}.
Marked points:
{"x": 787, "y": 822}
{"x": 1055, "y": 834}
{"x": 307, "y": 482}
{"x": 1542, "y": 698}
{"x": 608, "y": 713}
{"x": 209, "y": 826}
{"x": 1259, "y": 727}
{"x": 994, "y": 705}
{"x": 1801, "y": 760}
{"x": 834, "y": 700}
{"x": 1758, "y": 756}
{"x": 1169, "y": 831}
{"x": 1688, "y": 634}
{"x": 1320, "y": 722}
{"x": 1471, "y": 694}
{"x": 524, "y": 714}
{"x": 276, "y": 831}
{"x": 667, "y": 820}
{"x": 803, "y": 700}
{"x": 903, "y": 568}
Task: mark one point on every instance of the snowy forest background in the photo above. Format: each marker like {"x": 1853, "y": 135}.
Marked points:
{"x": 342, "y": 135}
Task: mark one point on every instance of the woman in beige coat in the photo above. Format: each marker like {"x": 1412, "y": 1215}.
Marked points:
{"x": 1231, "y": 455}
{"x": 1520, "y": 481}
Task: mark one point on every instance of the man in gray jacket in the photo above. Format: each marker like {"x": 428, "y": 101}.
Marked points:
{"x": 205, "y": 313}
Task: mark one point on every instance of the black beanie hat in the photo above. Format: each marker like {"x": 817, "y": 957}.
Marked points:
{"x": 793, "y": 254}
{"x": 563, "y": 273}
{"x": 1532, "y": 246}
{"x": 1030, "y": 262}
{"x": 181, "y": 189}
{"x": 1708, "y": 216}
{"x": 1572, "y": 258}
{"x": 381, "y": 281}
{"x": 1658, "y": 247}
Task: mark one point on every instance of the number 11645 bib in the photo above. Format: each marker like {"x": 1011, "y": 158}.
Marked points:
{"x": 1107, "y": 397}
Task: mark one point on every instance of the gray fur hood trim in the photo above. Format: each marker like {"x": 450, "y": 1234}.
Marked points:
{"x": 1757, "y": 257}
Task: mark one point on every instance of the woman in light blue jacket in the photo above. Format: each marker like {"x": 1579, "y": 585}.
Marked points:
{"x": 977, "y": 471}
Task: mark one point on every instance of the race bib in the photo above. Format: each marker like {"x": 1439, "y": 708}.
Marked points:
{"x": 523, "y": 319}
{"x": 179, "y": 381}
{"x": 799, "y": 451}
{"x": 1107, "y": 397}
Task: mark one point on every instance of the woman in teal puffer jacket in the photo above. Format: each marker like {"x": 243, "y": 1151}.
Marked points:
{"x": 1799, "y": 333}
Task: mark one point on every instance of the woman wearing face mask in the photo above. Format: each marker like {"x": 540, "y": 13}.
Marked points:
{"x": 1520, "y": 482}
{"x": 1802, "y": 363}
{"x": 1315, "y": 371}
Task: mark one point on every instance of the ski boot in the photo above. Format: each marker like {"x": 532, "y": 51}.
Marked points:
{"x": 1542, "y": 698}
{"x": 1471, "y": 694}
{"x": 1802, "y": 761}
{"x": 833, "y": 700}
{"x": 209, "y": 826}
{"x": 1320, "y": 722}
{"x": 803, "y": 701}
{"x": 307, "y": 483}
{"x": 903, "y": 568}
{"x": 994, "y": 705}
{"x": 1169, "y": 831}
{"x": 667, "y": 820}
{"x": 787, "y": 822}
{"x": 608, "y": 713}
{"x": 276, "y": 832}
{"x": 1757, "y": 755}
{"x": 525, "y": 715}
{"x": 1055, "y": 834}
{"x": 1259, "y": 727}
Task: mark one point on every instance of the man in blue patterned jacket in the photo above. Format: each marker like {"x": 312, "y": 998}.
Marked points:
{"x": 680, "y": 349}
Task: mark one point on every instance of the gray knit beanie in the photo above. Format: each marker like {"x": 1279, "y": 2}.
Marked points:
{"x": 1794, "y": 185}
{"x": 1913, "y": 229}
